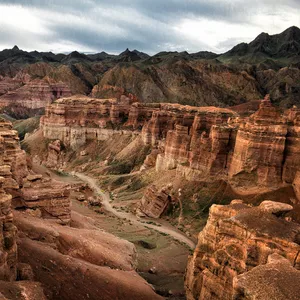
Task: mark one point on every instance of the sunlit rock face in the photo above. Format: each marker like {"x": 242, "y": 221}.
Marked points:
{"x": 200, "y": 147}
{"x": 237, "y": 239}
{"x": 258, "y": 155}
{"x": 201, "y": 143}
{"x": 78, "y": 119}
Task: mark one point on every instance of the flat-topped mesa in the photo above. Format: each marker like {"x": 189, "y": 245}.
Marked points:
{"x": 236, "y": 239}
{"x": 260, "y": 148}
{"x": 77, "y": 119}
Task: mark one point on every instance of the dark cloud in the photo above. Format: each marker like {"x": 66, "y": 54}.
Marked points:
{"x": 147, "y": 25}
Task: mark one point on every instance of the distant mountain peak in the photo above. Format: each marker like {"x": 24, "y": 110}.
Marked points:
{"x": 15, "y": 48}
{"x": 281, "y": 47}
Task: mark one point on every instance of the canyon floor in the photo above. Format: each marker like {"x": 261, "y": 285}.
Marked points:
{"x": 162, "y": 249}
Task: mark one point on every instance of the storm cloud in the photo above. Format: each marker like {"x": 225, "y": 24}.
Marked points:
{"x": 147, "y": 25}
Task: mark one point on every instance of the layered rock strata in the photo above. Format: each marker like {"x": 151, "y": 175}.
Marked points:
{"x": 104, "y": 265}
{"x": 259, "y": 148}
{"x": 28, "y": 189}
{"x": 237, "y": 239}
{"x": 8, "y": 248}
{"x": 201, "y": 143}
{"x": 76, "y": 120}
{"x": 35, "y": 94}
{"x": 49, "y": 196}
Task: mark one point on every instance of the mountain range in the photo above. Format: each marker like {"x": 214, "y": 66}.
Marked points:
{"x": 269, "y": 64}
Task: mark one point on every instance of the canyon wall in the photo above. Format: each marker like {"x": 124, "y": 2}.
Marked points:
{"x": 26, "y": 188}
{"x": 76, "y": 120}
{"x": 201, "y": 143}
{"x": 237, "y": 239}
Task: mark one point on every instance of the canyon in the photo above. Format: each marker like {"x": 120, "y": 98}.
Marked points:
{"x": 257, "y": 156}
{"x": 38, "y": 239}
{"x": 173, "y": 176}
{"x": 172, "y": 146}
{"x": 200, "y": 143}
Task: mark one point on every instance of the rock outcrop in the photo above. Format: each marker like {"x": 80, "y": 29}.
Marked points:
{"x": 26, "y": 188}
{"x": 278, "y": 279}
{"x": 78, "y": 119}
{"x": 155, "y": 202}
{"x": 54, "y": 154}
{"x": 104, "y": 264}
{"x": 49, "y": 196}
{"x": 235, "y": 244}
{"x": 259, "y": 148}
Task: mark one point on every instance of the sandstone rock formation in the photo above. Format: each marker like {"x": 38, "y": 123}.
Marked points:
{"x": 234, "y": 246}
{"x": 8, "y": 263}
{"x": 155, "y": 202}
{"x": 259, "y": 148}
{"x": 54, "y": 154}
{"x": 278, "y": 279}
{"x": 104, "y": 265}
{"x": 78, "y": 119}
{"x": 50, "y": 196}
{"x": 201, "y": 143}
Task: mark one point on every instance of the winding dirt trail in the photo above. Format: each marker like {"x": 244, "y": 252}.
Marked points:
{"x": 122, "y": 215}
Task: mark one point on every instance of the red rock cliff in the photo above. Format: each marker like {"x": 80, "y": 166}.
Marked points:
{"x": 236, "y": 239}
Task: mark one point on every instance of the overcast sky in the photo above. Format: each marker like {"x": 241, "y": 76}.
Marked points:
{"x": 147, "y": 25}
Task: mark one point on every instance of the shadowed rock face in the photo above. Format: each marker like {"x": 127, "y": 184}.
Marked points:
{"x": 23, "y": 98}
{"x": 237, "y": 239}
{"x": 155, "y": 202}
